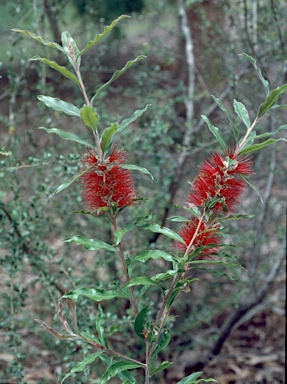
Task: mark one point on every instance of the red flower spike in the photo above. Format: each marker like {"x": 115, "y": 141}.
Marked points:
{"x": 107, "y": 182}
{"x": 205, "y": 236}
{"x": 218, "y": 178}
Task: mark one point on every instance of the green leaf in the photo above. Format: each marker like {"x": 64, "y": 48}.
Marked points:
{"x": 108, "y": 135}
{"x": 271, "y": 100}
{"x": 161, "y": 344}
{"x": 258, "y": 70}
{"x": 235, "y": 217}
{"x": 162, "y": 366}
{"x": 178, "y": 219}
{"x": 67, "y": 136}
{"x": 242, "y": 113}
{"x": 163, "y": 230}
{"x": 132, "y": 167}
{"x": 117, "y": 368}
{"x": 60, "y": 105}
{"x": 140, "y": 321}
{"x": 129, "y": 227}
{"x": 164, "y": 276}
{"x": 89, "y": 117}
{"x": 155, "y": 254}
{"x": 91, "y": 244}
{"x": 66, "y": 39}
{"x": 256, "y": 147}
{"x": 97, "y": 294}
{"x": 215, "y": 131}
{"x": 116, "y": 75}
{"x": 266, "y": 134}
{"x": 131, "y": 119}
{"x": 192, "y": 379}
{"x": 63, "y": 70}
{"x": 66, "y": 185}
{"x": 102, "y": 35}
{"x": 141, "y": 280}
{"x": 251, "y": 185}
{"x": 100, "y": 328}
{"x": 221, "y": 106}
{"x": 79, "y": 367}
{"x": 40, "y": 39}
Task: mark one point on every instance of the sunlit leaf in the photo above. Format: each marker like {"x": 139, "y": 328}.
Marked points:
{"x": 163, "y": 230}
{"x": 271, "y": 100}
{"x": 66, "y": 39}
{"x": 258, "y": 70}
{"x": 178, "y": 219}
{"x": 102, "y": 35}
{"x": 131, "y": 119}
{"x": 60, "y": 105}
{"x": 133, "y": 167}
{"x": 67, "y": 136}
{"x": 256, "y": 147}
{"x": 91, "y": 244}
{"x": 108, "y": 135}
{"x": 242, "y": 113}
{"x": 117, "y": 368}
{"x": 97, "y": 294}
{"x": 79, "y": 367}
{"x": 89, "y": 117}
{"x": 215, "y": 131}
{"x": 40, "y": 39}
{"x": 116, "y": 75}
{"x": 155, "y": 254}
{"x": 63, "y": 70}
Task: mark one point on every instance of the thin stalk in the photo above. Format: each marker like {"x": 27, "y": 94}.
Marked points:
{"x": 133, "y": 299}
{"x": 147, "y": 365}
{"x": 245, "y": 137}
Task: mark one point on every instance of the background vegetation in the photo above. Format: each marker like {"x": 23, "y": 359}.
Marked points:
{"x": 246, "y": 342}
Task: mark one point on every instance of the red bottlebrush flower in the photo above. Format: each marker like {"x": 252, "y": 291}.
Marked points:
{"x": 206, "y": 235}
{"x": 107, "y": 182}
{"x": 218, "y": 178}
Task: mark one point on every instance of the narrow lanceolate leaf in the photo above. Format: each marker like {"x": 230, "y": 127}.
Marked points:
{"x": 117, "y": 368}
{"x": 258, "y": 70}
{"x": 266, "y": 134}
{"x": 108, "y": 136}
{"x": 133, "y": 167}
{"x": 222, "y": 107}
{"x": 119, "y": 234}
{"x": 193, "y": 379}
{"x": 242, "y": 113}
{"x": 100, "y": 327}
{"x": 79, "y": 367}
{"x": 215, "y": 131}
{"x": 155, "y": 254}
{"x": 116, "y": 75}
{"x": 91, "y": 244}
{"x": 66, "y": 185}
{"x": 271, "y": 100}
{"x": 140, "y": 321}
{"x": 162, "y": 366}
{"x": 89, "y": 117}
{"x": 178, "y": 219}
{"x": 66, "y": 41}
{"x": 60, "y": 105}
{"x": 163, "y": 230}
{"x": 40, "y": 39}
{"x": 256, "y": 147}
{"x": 63, "y": 70}
{"x": 102, "y": 35}
{"x": 238, "y": 216}
{"x": 67, "y": 136}
{"x": 141, "y": 280}
{"x": 97, "y": 294}
{"x": 131, "y": 119}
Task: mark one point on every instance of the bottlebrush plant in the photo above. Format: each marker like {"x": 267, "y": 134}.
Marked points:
{"x": 108, "y": 188}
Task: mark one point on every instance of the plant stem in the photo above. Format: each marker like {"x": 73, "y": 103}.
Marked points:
{"x": 133, "y": 299}
{"x": 245, "y": 137}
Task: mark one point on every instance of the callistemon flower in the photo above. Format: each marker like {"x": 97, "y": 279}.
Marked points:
{"x": 206, "y": 235}
{"x": 218, "y": 179}
{"x": 107, "y": 183}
